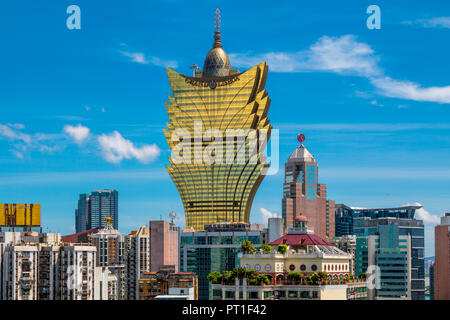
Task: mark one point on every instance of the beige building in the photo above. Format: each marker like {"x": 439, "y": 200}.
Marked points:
{"x": 34, "y": 270}
{"x": 300, "y": 266}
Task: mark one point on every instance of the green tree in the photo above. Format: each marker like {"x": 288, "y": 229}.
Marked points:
{"x": 315, "y": 279}
{"x": 215, "y": 277}
{"x": 262, "y": 278}
{"x": 240, "y": 272}
{"x": 296, "y": 276}
{"x": 266, "y": 249}
{"x": 323, "y": 276}
{"x": 250, "y": 274}
{"x": 229, "y": 277}
{"x": 282, "y": 248}
{"x": 247, "y": 247}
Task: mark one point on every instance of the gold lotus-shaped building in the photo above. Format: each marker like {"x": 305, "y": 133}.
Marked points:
{"x": 217, "y": 97}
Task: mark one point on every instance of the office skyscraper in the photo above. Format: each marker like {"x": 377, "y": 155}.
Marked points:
{"x": 391, "y": 253}
{"x": 346, "y": 216}
{"x": 94, "y": 208}
{"x": 442, "y": 259}
{"x": 303, "y": 195}
{"x": 217, "y": 99}
{"x": 364, "y": 227}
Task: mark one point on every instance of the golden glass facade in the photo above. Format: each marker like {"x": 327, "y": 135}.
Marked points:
{"x": 20, "y": 214}
{"x": 221, "y": 191}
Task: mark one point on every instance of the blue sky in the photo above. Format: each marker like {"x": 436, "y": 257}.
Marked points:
{"x": 83, "y": 109}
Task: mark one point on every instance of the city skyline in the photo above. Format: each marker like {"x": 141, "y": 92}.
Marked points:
{"x": 83, "y": 109}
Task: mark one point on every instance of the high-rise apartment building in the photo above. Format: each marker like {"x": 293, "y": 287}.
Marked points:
{"x": 20, "y": 272}
{"x": 164, "y": 240}
{"x": 34, "y": 270}
{"x": 110, "y": 244}
{"x": 94, "y": 208}
{"x": 442, "y": 259}
{"x": 20, "y": 217}
{"x": 137, "y": 249}
{"x": 303, "y": 195}
{"x": 214, "y": 249}
{"x": 216, "y": 178}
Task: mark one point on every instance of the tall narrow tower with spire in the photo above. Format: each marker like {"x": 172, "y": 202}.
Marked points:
{"x": 303, "y": 195}
{"x": 218, "y": 98}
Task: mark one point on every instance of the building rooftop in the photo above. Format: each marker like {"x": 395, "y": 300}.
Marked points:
{"x": 301, "y": 154}
{"x": 73, "y": 238}
{"x": 305, "y": 239}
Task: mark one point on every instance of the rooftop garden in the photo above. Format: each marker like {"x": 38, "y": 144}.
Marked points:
{"x": 292, "y": 278}
{"x": 247, "y": 247}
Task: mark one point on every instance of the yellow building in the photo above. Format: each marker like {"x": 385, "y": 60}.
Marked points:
{"x": 19, "y": 215}
{"x": 215, "y": 181}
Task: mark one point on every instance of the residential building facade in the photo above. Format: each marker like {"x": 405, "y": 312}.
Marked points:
{"x": 138, "y": 259}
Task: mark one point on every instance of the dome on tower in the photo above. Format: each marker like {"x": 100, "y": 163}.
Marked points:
{"x": 217, "y": 63}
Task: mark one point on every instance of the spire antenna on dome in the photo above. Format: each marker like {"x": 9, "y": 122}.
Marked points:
{"x": 217, "y": 43}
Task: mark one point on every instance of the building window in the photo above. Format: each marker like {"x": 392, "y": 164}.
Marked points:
{"x": 257, "y": 267}
{"x": 310, "y": 192}
{"x": 302, "y": 267}
{"x": 313, "y": 267}
{"x": 268, "y": 267}
{"x": 292, "y": 267}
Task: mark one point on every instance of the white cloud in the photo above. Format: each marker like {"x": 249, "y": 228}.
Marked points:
{"x": 22, "y": 142}
{"x": 346, "y": 56}
{"x": 343, "y": 55}
{"x": 422, "y": 214}
{"x": 115, "y": 148}
{"x": 266, "y": 214}
{"x": 141, "y": 58}
{"x": 437, "y": 22}
{"x": 79, "y": 133}
{"x": 411, "y": 91}
{"x": 11, "y": 132}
